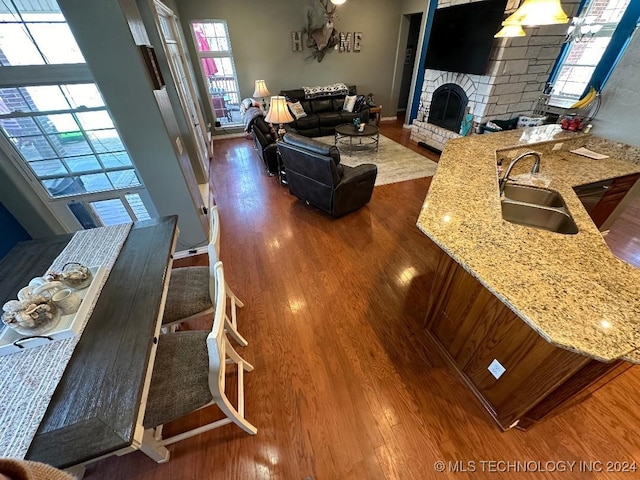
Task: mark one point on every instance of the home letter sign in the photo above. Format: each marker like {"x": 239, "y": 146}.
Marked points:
{"x": 345, "y": 42}
{"x": 296, "y": 41}
{"x": 349, "y": 42}
{"x": 357, "y": 41}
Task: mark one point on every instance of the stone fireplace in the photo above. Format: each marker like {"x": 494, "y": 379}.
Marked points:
{"x": 516, "y": 76}
{"x": 448, "y": 105}
{"x": 444, "y": 95}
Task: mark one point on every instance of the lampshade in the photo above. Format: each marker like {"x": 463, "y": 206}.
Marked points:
{"x": 510, "y": 31}
{"x": 278, "y": 111}
{"x": 261, "y": 89}
{"x": 537, "y": 12}
{"x": 338, "y": 2}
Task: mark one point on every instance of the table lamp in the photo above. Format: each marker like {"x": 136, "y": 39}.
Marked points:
{"x": 261, "y": 91}
{"x": 279, "y": 113}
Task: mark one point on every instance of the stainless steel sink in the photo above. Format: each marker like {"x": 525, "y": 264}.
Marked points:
{"x": 534, "y": 195}
{"x": 548, "y": 218}
{"x": 537, "y": 207}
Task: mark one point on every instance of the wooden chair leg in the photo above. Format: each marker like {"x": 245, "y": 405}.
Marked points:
{"x": 231, "y": 322}
{"x": 233, "y": 331}
{"x": 236, "y": 415}
{"x": 233, "y": 296}
{"x": 232, "y": 414}
{"x": 236, "y": 358}
{"x": 171, "y": 328}
{"x": 152, "y": 448}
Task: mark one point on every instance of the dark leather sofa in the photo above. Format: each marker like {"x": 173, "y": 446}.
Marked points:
{"x": 265, "y": 141}
{"x": 323, "y": 113}
{"x": 316, "y": 176}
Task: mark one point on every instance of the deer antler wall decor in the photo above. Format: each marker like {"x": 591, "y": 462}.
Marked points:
{"x": 324, "y": 38}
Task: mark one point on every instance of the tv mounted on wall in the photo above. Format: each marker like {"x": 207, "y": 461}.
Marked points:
{"x": 461, "y": 36}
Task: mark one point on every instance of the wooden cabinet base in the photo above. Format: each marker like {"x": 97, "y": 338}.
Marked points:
{"x": 610, "y": 200}
{"x": 475, "y": 330}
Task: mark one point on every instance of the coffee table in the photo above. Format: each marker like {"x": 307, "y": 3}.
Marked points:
{"x": 370, "y": 134}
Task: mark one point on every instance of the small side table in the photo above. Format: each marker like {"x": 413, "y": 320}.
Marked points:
{"x": 378, "y": 112}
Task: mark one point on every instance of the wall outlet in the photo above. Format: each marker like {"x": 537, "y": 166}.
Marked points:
{"x": 496, "y": 369}
{"x": 557, "y": 146}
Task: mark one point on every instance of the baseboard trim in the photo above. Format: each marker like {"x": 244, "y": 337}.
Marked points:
{"x": 228, "y": 135}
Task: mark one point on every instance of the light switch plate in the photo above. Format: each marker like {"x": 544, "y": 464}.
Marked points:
{"x": 496, "y": 369}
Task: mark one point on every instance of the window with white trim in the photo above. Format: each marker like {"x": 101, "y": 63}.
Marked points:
{"x": 589, "y": 36}
{"x": 54, "y": 121}
{"x": 67, "y": 138}
{"x": 213, "y": 45}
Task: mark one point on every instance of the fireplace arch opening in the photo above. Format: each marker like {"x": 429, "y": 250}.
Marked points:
{"x": 448, "y": 105}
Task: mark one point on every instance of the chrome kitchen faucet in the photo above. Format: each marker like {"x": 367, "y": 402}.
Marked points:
{"x": 534, "y": 169}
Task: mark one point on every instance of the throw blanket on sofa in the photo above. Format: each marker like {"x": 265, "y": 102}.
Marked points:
{"x": 335, "y": 89}
{"x": 250, "y": 115}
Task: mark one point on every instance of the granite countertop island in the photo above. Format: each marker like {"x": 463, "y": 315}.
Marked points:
{"x": 569, "y": 288}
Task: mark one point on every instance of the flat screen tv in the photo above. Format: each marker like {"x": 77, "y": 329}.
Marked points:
{"x": 462, "y": 36}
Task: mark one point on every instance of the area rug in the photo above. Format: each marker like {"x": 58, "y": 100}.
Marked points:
{"x": 395, "y": 162}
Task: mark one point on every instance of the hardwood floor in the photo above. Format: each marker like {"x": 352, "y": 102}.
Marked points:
{"x": 624, "y": 236}
{"x": 346, "y": 384}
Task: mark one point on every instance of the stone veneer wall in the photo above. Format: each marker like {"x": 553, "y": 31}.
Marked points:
{"x": 518, "y": 70}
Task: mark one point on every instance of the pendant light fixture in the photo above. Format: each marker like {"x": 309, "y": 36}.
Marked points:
{"x": 538, "y": 12}
{"x": 510, "y": 31}
{"x": 532, "y": 13}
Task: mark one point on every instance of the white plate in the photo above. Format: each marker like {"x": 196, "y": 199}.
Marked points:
{"x": 39, "y": 331}
{"x": 69, "y": 326}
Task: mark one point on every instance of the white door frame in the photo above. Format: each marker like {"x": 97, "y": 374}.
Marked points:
{"x": 186, "y": 89}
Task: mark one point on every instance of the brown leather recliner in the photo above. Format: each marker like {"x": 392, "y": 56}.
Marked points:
{"x": 316, "y": 176}
{"x": 265, "y": 141}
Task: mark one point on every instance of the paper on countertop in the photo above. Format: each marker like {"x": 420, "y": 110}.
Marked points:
{"x": 585, "y": 152}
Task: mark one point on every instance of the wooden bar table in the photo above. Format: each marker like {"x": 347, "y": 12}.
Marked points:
{"x": 98, "y": 407}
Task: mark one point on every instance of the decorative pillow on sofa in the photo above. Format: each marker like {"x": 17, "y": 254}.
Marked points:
{"x": 530, "y": 121}
{"x": 297, "y": 110}
{"x": 247, "y": 103}
{"x": 360, "y": 101}
{"x": 349, "y": 102}
{"x": 329, "y": 90}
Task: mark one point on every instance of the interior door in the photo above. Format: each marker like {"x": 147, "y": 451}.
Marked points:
{"x": 175, "y": 51}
